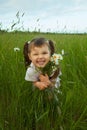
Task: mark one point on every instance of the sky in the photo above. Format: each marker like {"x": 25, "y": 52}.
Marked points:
{"x": 44, "y": 15}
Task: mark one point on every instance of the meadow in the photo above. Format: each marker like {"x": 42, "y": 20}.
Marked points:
{"x": 15, "y": 92}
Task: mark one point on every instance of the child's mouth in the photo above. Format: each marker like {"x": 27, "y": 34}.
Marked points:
{"x": 42, "y": 62}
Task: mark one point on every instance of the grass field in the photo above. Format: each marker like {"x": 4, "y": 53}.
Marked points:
{"x": 15, "y": 93}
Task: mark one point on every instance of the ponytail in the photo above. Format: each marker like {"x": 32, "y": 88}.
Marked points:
{"x": 52, "y": 48}
{"x": 56, "y": 74}
{"x": 27, "y": 61}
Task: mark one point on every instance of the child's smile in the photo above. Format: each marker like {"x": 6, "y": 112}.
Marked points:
{"x": 40, "y": 56}
{"x": 41, "y": 61}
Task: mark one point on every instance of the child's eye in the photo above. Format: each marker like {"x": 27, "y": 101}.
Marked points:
{"x": 45, "y": 53}
{"x": 35, "y": 54}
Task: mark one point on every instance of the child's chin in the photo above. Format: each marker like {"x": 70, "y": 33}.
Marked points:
{"x": 41, "y": 66}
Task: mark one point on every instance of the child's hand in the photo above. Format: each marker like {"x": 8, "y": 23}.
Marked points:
{"x": 43, "y": 83}
{"x": 40, "y": 85}
{"x": 45, "y": 79}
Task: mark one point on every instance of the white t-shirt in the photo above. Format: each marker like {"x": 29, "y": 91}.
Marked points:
{"x": 32, "y": 74}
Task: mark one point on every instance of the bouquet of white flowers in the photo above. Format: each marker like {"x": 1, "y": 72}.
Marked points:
{"x": 52, "y": 65}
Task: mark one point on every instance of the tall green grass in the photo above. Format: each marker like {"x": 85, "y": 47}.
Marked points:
{"x": 16, "y": 94}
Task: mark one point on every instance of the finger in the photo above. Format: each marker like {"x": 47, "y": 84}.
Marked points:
{"x": 42, "y": 88}
{"x": 46, "y": 75}
{"x": 41, "y": 76}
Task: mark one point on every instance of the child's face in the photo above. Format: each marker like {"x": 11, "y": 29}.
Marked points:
{"x": 40, "y": 56}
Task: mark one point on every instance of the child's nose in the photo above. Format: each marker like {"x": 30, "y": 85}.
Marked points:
{"x": 40, "y": 56}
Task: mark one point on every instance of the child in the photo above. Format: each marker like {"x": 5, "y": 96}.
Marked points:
{"x": 37, "y": 54}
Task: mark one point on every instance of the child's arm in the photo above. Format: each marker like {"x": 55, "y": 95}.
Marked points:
{"x": 44, "y": 82}
{"x": 47, "y": 80}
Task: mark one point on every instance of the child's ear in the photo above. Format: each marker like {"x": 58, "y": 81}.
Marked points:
{"x": 29, "y": 56}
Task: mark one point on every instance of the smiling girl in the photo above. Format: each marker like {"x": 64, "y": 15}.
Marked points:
{"x": 37, "y": 54}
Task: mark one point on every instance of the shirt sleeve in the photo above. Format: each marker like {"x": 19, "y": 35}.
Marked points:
{"x": 31, "y": 75}
{"x": 57, "y": 83}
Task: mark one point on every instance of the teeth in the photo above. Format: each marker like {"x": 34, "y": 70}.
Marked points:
{"x": 41, "y": 62}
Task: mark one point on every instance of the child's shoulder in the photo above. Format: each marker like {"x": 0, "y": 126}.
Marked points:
{"x": 31, "y": 67}
{"x": 32, "y": 70}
